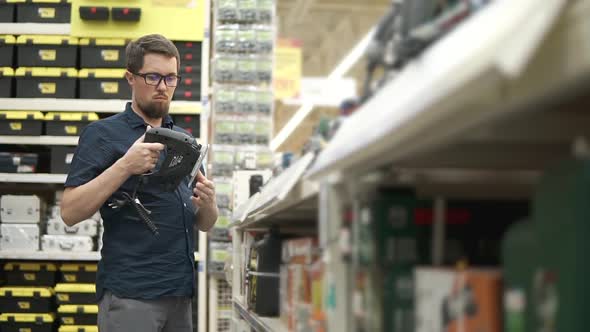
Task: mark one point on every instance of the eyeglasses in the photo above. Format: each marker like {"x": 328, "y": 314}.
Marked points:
{"x": 154, "y": 79}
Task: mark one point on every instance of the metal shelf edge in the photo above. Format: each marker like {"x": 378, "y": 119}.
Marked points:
{"x": 260, "y": 324}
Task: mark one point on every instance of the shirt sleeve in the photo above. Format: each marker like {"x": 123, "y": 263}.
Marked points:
{"x": 91, "y": 157}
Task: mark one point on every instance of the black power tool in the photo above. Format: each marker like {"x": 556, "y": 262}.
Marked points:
{"x": 183, "y": 157}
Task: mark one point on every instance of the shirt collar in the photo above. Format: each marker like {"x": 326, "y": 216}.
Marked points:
{"x": 136, "y": 121}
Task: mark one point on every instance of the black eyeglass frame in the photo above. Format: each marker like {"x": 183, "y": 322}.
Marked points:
{"x": 144, "y": 76}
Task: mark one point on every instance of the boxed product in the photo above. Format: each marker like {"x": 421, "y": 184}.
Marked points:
{"x": 262, "y": 272}
{"x": 6, "y": 47}
{"x": 43, "y": 11}
{"x": 78, "y": 273}
{"x": 46, "y": 51}
{"x": 70, "y": 243}
{"x": 56, "y": 226}
{"x": 18, "y": 162}
{"x": 26, "y": 299}
{"x": 102, "y": 53}
{"x": 78, "y": 328}
{"x": 43, "y": 82}
{"x": 14, "y": 322}
{"x": 6, "y": 81}
{"x": 20, "y": 209}
{"x": 453, "y": 301}
{"x": 103, "y": 84}
{"x": 29, "y": 274}
{"x": 79, "y": 294}
{"x": 190, "y": 123}
{"x": 61, "y": 159}
{"x": 190, "y": 52}
{"x": 70, "y": 314}
{"x": 20, "y": 237}
{"x": 67, "y": 123}
{"x": 7, "y": 9}
{"x": 21, "y": 123}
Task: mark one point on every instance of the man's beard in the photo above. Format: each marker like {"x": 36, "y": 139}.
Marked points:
{"x": 154, "y": 110}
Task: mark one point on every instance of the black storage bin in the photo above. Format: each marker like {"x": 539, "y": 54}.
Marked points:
{"x": 7, "y": 8}
{"x": 94, "y": 13}
{"x": 187, "y": 94}
{"x": 67, "y": 123}
{"x": 78, "y": 294}
{"x": 70, "y": 314}
{"x": 21, "y": 123}
{"x": 126, "y": 14}
{"x": 46, "y": 82}
{"x": 61, "y": 159}
{"x": 264, "y": 266}
{"x": 193, "y": 71}
{"x": 43, "y": 11}
{"x": 30, "y": 274}
{"x": 46, "y": 51}
{"x": 102, "y": 53}
{"x": 104, "y": 84}
{"x": 26, "y": 299}
{"x": 6, "y": 48}
{"x": 11, "y": 162}
{"x": 190, "y": 123}
{"x": 6, "y": 82}
{"x": 14, "y": 322}
{"x": 190, "y": 53}
{"x": 78, "y": 328}
{"x": 78, "y": 273}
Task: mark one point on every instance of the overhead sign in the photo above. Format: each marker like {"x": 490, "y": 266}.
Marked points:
{"x": 287, "y": 71}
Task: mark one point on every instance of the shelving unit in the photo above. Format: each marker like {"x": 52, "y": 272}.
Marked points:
{"x": 87, "y": 105}
{"x": 35, "y": 28}
{"x": 32, "y": 178}
{"x": 59, "y": 256}
{"x": 259, "y": 324}
{"x": 482, "y": 122}
{"x": 40, "y": 140}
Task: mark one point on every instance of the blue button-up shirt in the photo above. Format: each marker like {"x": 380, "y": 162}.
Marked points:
{"x": 136, "y": 263}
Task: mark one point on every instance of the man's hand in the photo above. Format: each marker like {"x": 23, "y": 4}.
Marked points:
{"x": 141, "y": 157}
{"x": 204, "y": 193}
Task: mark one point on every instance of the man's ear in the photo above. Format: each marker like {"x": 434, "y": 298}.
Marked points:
{"x": 130, "y": 78}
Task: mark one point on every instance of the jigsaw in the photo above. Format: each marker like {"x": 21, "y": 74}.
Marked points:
{"x": 183, "y": 157}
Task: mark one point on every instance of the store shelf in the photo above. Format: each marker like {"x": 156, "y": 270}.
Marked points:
{"x": 260, "y": 324}
{"x": 51, "y": 256}
{"x": 35, "y": 28}
{"x": 286, "y": 197}
{"x": 500, "y": 103}
{"x": 32, "y": 178}
{"x": 39, "y": 140}
{"x": 87, "y": 105}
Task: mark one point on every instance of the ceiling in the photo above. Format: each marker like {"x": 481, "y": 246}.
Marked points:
{"x": 328, "y": 30}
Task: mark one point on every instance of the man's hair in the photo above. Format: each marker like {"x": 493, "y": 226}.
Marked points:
{"x": 155, "y": 43}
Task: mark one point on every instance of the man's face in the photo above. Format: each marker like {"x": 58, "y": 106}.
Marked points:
{"x": 154, "y": 101}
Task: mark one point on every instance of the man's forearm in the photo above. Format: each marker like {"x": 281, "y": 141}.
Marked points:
{"x": 82, "y": 202}
{"x": 206, "y": 217}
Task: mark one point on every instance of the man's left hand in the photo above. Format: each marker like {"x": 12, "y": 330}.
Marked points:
{"x": 204, "y": 193}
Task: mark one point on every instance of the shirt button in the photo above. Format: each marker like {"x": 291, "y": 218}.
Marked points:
{"x": 184, "y": 204}
{"x": 186, "y": 230}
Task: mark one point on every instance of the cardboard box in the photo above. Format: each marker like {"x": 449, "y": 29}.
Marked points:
{"x": 46, "y": 82}
{"x": 19, "y": 237}
{"x": 43, "y": 11}
{"x": 46, "y": 51}
{"x": 453, "y": 301}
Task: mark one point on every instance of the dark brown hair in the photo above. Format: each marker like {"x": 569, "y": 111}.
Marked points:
{"x": 147, "y": 44}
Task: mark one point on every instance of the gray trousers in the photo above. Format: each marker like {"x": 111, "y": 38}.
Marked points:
{"x": 168, "y": 314}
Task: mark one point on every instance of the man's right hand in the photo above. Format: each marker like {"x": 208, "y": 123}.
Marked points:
{"x": 141, "y": 157}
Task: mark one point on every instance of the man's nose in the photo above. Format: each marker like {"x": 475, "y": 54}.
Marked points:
{"x": 161, "y": 85}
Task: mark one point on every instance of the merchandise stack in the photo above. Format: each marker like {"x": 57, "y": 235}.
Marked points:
{"x": 242, "y": 104}
{"x": 76, "y": 297}
{"x": 21, "y": 222}
{"x": 78, "y": 238}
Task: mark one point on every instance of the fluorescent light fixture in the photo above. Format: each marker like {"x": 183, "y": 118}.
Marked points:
{"x": 341, "y": 69}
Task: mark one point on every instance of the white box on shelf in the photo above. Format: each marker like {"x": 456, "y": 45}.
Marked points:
{"x": 241, "y": 184}
{"x": 56, "y": 226}
{"x": 21, "y": 237}
{"x": 67, "y": 243}
{"x": 20, "y": 209}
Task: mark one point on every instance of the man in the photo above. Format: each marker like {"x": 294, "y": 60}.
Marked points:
{"x": 144, "y": 281}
